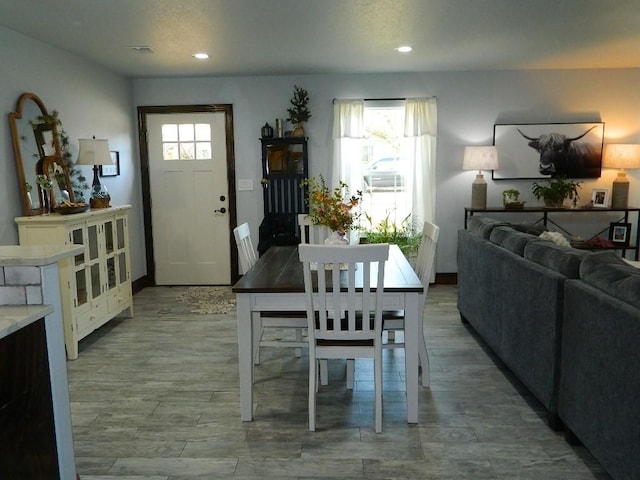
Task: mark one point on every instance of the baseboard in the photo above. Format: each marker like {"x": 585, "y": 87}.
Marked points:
{"x": 139, "y": 284}
{"x": 446, "y": 279}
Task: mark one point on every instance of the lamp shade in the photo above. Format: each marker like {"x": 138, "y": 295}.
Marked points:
{"x": 480, "y": 158}
{"x": 94, "y": 152}
{"x": 621, "y": 155}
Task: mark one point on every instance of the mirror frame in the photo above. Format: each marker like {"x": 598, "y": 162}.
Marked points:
{"x": 46, "y": 161}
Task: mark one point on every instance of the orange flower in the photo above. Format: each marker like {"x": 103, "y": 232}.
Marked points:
{"x": 332, "y": 208}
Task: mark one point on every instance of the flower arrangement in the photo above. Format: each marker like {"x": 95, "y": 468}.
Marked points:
{"x": 332, "y": 208}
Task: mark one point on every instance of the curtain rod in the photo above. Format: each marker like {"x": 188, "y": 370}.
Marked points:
{"x": 377, "y": 99}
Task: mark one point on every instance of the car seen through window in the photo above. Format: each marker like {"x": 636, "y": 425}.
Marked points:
{"x": 385, "y": 173}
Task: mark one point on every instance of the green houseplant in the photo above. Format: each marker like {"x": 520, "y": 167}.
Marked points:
{"x": 556, "y": 191}
{"x": 386, "y": 231}
{"x": 510, "y": 199}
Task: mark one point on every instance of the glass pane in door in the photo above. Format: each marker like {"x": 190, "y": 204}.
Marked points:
{"x": 108, "y": 236}
{"x": 122, "y": 267}
{"x": 92, "y": 233}
{"x": 111, "y": 272}
{"x": 120, "y": 232}
{"x": 81, "y": 287}
{"x": 95, "y": 280}
{"x": 77, "y": 238}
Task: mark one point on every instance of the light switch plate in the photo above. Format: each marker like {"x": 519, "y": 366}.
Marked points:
{"x": 246, "y": 184}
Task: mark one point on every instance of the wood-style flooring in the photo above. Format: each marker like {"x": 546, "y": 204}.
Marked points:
{"x": 156, "y": 397}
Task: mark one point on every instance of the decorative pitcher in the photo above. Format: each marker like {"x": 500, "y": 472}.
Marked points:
{"x": 337, "y": 238}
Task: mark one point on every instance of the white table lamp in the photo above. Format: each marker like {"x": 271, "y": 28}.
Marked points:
{"x": 96, "y": 152}
{"x": 621, "y": 155}
{"x": 480, "y": 158}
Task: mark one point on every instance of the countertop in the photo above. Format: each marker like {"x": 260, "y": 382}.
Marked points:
{"x": 15, "y": 317}
{"x": 36, "y": 255}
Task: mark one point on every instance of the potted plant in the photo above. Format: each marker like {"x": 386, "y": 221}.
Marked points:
{"x": 556, "y": 191}
{"x": 299, "y": 111}
{"x": 510, "y": 199}
{"x": 386, "y": 231}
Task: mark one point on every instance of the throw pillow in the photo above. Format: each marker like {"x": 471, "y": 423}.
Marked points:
{"x": 555, "y": 237}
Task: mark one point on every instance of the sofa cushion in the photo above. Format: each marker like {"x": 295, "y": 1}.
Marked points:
{"x": 482, "y": 226}
{"x": 564, "y": 260}
{"x": 511, "y": 239}
{"x": 532, "y": 228}
{"x": 607, "y": 272}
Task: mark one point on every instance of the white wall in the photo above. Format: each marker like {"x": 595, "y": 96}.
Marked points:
{"x": 91, "y": 100}
{"x": 469, "y": 104}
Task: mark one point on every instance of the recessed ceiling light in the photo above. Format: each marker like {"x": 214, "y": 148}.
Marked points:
{"x": 201, "y": 56}
{"x": 404, "y": 49}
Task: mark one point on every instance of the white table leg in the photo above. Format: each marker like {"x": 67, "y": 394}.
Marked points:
{"x": 412, "y": 334}
{"x": 245, "y": 355}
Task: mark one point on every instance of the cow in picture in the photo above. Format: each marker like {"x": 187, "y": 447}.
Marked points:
{"x": 562, "y": 156}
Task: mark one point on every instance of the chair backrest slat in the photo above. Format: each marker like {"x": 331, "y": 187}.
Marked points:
{"x": 246, "y": 253}
{"x": 310, "y": 233}
{"x": 427, "y": 252}
{"x": 351, "y": 290}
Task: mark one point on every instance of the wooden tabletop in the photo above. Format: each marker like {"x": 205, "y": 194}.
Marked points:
{"x": 279, "y": 270}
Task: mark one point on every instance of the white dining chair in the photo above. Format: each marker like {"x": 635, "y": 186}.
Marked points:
{"x": 357, "y": 333}
{"x": 268, "y": 320}
{"x": 393, "y": 320}
{"x": 310, "y": 233}
{"x": 314, "y": 235}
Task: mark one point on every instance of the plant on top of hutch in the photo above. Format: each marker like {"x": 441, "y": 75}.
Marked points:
{"x": 299, "y": 111}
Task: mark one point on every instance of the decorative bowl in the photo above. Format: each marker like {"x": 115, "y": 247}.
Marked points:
{"x": 70, "y": 209}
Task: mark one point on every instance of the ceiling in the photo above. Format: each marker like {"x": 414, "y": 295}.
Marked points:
{"x": 270, "y": 37}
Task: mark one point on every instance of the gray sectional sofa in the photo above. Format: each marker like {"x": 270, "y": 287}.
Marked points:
{"x": 566, "y": 322}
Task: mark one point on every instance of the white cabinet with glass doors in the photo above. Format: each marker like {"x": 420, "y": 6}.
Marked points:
{"x": 95, "y": 284}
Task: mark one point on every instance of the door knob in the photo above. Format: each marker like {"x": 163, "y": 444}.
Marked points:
{"x": 221, "y": 210}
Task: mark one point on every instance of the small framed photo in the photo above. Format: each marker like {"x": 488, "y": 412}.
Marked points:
{"x": 600, "y": 197}
{"x": 111, "y": 170}
{"x": 619, "y": 234}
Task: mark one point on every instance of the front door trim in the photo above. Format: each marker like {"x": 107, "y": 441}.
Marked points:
{"x": 143, "y": 111}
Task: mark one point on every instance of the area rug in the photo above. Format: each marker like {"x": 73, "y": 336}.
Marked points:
{"x": 208, "y": 300}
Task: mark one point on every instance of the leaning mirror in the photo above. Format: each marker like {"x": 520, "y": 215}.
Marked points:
{"x": 42, "y": 174}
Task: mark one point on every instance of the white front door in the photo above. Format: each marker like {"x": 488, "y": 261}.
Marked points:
{"x": 189, "y": 198}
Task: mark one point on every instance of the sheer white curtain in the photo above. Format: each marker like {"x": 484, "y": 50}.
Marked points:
{"x": 419, "y": 148}
{"x": 348, "y": 133}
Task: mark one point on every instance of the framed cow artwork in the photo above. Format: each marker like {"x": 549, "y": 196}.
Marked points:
{"x": 545, "y": 150}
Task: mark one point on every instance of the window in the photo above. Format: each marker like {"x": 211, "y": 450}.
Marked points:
{"x": 384, "y": 168}
{"x": 186, "y": 141}
{"x": 406, "y": 130}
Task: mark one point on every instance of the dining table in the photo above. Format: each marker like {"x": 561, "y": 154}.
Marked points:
{"x": 276, "y": 283}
